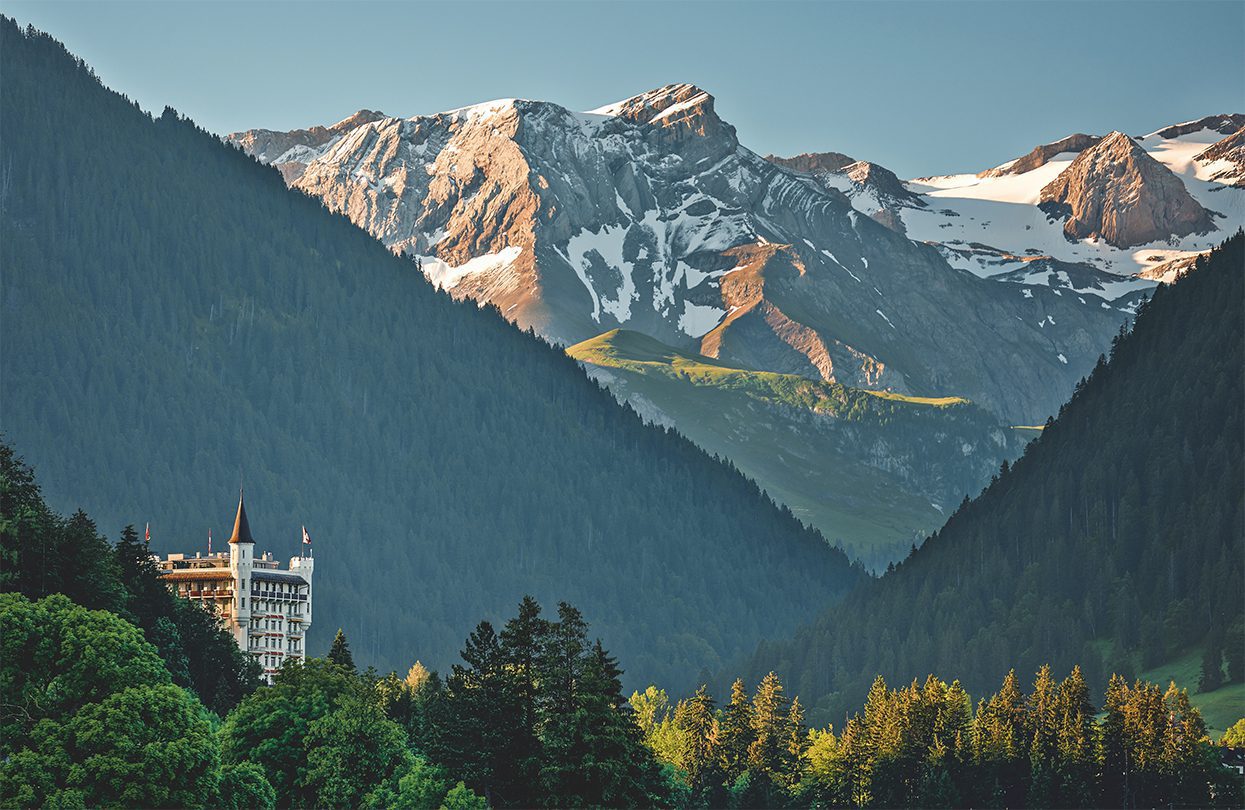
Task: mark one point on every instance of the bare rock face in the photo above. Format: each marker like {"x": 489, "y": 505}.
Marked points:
{"x": 1223, "y": 124}
{"x": 1116, "y": 192}
{"x": 813, "y": 162}
{"x": 883, "y": 182}
{"x": 291, "y": 151}
{"x": 1228, "y": 155}
{"x": 1041, "y": 155}
{"x": 649, "y": 215}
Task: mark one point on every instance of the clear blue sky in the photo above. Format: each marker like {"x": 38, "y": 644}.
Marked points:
{"x": 921, "y": 87}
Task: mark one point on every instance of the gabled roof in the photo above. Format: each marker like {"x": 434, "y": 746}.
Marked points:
{"x": 241, "y": 527}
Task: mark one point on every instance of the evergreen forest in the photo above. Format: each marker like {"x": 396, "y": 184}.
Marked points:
{"x": 175, "y": 319}
{"x": 98, "y": 711}
{"x": 1116, "y": 542}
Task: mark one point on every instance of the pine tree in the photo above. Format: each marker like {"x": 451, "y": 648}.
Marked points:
{"x": 698, "y": 726}
{"x": 795, "y": 743}
{"x": 735, "y": 733}
{"x": 1211, "y": 677}
{"x": 1042, "y": 733}
{"x": 339, "y": 652}
{"x": 765, "y": 754}
{"x": 1077, "y": 748}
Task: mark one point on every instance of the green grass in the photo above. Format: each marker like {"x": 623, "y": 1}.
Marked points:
{"x": 1220, "y": 708}
{"x": 940, "y": 402}
{"x": 632, "y": 351}
{"x": 773, "y": 427}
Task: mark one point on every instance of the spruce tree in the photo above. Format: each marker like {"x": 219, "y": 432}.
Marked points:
{"x": 339, "y": 652}
{"x": 697, "y": 724}
{"x": 735, "y": 733}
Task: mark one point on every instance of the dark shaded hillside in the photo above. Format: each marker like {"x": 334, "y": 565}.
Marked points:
{"x": 174, "y": 318}
{"x": 1116, "y": 541}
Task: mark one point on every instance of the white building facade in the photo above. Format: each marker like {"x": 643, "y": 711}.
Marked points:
{"x": 267, "y": 608}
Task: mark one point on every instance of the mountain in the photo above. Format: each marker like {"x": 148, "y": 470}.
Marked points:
{"x": 879, "y": 465}
{"x": 1141, "y": 204}
{"x": 1116, "y": 192}
{"x": 649, "y": 215}
{"x": 174, "y": 319}
{"x": 1224, "y": 160}
{"x": 1116, "y": 542}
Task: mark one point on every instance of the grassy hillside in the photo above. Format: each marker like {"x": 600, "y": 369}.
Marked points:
{"x": 173, "y": 319}
{"x": 1114, "y": 542}
{"x": 874, "y": 471}
{"x": 1220, "y": 708}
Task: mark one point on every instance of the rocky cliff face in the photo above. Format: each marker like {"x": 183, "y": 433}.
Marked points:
{"x": 813, "y": 162}
{"x": 1041, "y": 155}
{"x": 649, "y": 214}
{"x": 1225, "y": 160}
{"x": 1223, "y": 124}
{"x": 1116, "y": 192}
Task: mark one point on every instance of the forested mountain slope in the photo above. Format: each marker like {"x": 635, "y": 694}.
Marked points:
{"x": 1116, "y": 541}
{"x": 174, "y": 317}
{"x": 866, "y": 466}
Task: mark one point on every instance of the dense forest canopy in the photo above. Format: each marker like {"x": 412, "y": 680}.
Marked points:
{"x": 1116, "y": 541}
{"x": 97, "y": 712}
{"x": 174, "y": 318}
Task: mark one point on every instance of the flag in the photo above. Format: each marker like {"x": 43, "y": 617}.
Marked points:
{"x": 147, "y": 535}
{"x": 306, "y": 537}
{"x": 209, "y": 541}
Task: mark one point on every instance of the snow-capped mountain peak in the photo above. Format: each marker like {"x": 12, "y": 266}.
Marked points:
{"x": 649, "y": 214}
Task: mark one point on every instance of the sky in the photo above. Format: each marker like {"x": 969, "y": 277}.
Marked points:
{"x": 923, "y": 87}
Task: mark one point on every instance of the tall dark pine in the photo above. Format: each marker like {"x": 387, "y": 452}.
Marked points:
{"x": 339, "y": 653}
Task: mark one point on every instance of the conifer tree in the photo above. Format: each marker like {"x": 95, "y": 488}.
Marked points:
{"x": 1077, "y": 755}
{"x": 1042, "y": 734}
{"x": 735, "y": 733}
{"x": 698, "y": 726}
{"x": 769, "y": 714}
{"x": 339, "y": 652}
{"x": 795, "y": 743}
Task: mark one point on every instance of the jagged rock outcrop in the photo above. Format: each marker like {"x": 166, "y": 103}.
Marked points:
{"x": 1042, "y": 154}
{"x": 1224, "y": 124}
{"x": 813, "y": 162}
{"x": 882, "y": 182}
{"x": 1116, "y": 192}
{"x": 649, "y": 214}
{"x": 1228, "y": 157}
{"x": 291, "y": 151}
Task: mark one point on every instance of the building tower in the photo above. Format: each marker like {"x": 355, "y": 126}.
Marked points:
{"x": 241, "y": 563}
{"x": 267, "y": 609}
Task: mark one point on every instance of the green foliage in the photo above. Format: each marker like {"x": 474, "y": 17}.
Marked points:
{"x": 923, "y": 746}
{"x": 243, "y": 786}
{"x": 535, "y": 716}
{"x": 349, "y": 750}
{"x": 339, "y": 652}
{"x": 46, "y": 554}
{"x": 270, "y": 726}
{"x": 90, "y": 716}
{"x": 1114, "y": 542}
{"x": 147, "y": 746}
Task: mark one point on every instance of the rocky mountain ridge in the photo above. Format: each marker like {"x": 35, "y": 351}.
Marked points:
{"x": 649, "y": 215}
{"x": 1116, "y": 192}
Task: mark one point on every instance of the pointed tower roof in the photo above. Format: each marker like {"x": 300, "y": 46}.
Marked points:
{"x": 241, "y": 527}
